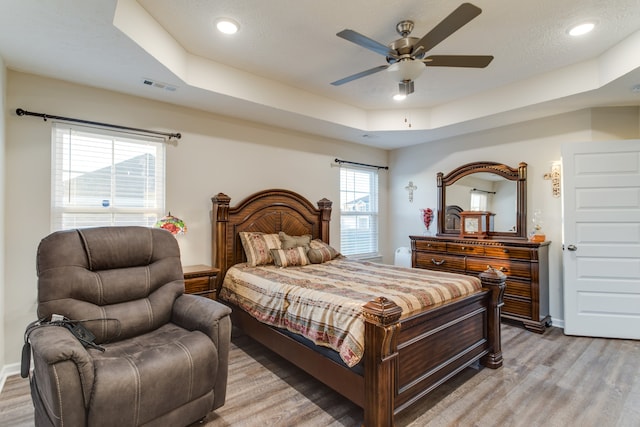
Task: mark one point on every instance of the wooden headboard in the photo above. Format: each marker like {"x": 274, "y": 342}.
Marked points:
{"x": 268, "y": 211}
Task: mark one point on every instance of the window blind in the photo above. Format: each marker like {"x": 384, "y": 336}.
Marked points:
{"x": 103, "y": 178}
{"x": 478, "y": 201}
{"x": 358, "y": 212}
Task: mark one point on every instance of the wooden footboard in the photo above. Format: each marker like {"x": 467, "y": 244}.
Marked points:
{"x": 405, "y": 360}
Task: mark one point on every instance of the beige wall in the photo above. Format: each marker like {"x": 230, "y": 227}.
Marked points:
{"x": 536, "y": 142}
{"x": 215, "y": 154}
{"x": 3, "y": 105}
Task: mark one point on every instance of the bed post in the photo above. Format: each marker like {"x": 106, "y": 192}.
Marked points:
{"x": 381, "y": 335}
{"x": 325, "y": 216}
{"x": 220, "y": 219}
{"x": 495, "y": 281}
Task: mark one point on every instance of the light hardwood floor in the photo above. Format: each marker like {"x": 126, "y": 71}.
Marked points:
{"x": 546, "y": 380}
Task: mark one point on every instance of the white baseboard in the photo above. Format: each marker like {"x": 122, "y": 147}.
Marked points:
{"x": 7, "y": 371}
{"x": 558, "y": 323}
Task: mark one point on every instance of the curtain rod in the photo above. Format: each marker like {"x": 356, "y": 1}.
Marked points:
{"x": 361, "y": 164}
{"x": 21, "y": 112}
{"x": 483, "y": 191}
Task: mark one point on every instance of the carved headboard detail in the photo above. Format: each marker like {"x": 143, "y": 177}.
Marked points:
{"x": 268, "y": 211}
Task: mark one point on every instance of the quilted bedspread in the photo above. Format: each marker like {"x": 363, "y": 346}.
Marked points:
{"x": 323, "y": 302}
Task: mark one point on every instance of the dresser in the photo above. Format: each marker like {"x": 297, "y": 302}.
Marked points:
{"x": 200, "y": 280}
{"x": 525, "y": 263}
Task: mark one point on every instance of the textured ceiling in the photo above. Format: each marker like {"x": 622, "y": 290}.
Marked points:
{"x": 277, "y": 69}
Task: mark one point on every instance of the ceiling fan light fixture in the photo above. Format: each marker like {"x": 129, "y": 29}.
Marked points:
{"x": 227, "y": 26}
{"x": 403, "y": 71}
{"x": 581, "y": 29}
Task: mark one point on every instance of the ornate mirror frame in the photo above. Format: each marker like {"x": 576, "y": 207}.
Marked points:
{"x": 518, "y": 174}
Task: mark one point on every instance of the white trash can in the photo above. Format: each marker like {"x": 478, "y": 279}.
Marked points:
{"x": 403, "y": 257}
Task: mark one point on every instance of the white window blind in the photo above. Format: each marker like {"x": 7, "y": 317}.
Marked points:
{"x": 478, "y": 201}
{"x": 103, "y": 178}
{"x": 358, "y": 212}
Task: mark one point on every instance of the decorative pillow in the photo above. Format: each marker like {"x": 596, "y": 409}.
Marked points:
{"x": 289, "y": 242}
{"x": 290, "y": 257}
{"x": 320, "y": 252}
{"x": 257, "y": 247}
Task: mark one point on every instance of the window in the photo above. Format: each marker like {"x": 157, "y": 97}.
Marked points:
{"x": 358, "y": 212}
{"x": 478, "y": 201}
{"x": 102, "y": 178}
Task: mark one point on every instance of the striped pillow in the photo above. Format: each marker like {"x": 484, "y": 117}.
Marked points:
{"x": 290, "y": 257}
{"x": 257, "y": 247}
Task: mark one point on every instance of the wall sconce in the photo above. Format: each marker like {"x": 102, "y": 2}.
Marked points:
{"x": 172, "y": 224}
{"x": 554, "y": 176}
{"x": 411, "y": 188}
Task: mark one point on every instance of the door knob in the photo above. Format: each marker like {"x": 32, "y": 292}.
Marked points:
{"x": 572, "y": 248}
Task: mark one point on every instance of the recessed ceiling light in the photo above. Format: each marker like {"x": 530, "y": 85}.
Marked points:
{"x": 581, "y": 29}
{"x": 227, "y": 26}
{"x": 399, "y": 97}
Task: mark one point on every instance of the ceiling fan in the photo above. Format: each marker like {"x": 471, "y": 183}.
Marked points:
{"x": 406, "y": 57}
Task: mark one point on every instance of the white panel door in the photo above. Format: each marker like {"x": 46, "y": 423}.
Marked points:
{"x": 601, "y": 227}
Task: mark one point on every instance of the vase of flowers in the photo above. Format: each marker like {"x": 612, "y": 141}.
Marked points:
{"x": 426, "y": 217}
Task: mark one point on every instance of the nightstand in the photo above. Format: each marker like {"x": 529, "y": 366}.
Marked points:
{"x": 200, "y": 280}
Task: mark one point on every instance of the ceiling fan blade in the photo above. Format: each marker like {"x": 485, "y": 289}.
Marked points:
{"x": 359, "y": 75}
{"x": 449, "y": 25}
{"x": 471, "y": 61}
{"x": 366, "y": 42}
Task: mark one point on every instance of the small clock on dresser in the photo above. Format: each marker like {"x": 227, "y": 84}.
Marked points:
{"x": 475, "y": 223}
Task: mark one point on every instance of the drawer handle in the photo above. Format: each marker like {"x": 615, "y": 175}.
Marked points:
{"x": 428, "y": 245}
{"x": 437, "y": 262}
{"x": 503, "y": 269}
{"x": 506, "y": 251}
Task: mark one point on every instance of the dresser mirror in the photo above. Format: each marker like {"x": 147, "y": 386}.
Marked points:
{"x": 484, "y": 186}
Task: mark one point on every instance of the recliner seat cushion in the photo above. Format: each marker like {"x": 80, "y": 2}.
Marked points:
{"x": 127, "y": 383}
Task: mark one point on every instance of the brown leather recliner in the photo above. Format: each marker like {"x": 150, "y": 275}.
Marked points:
{"x": 166, "y": 353}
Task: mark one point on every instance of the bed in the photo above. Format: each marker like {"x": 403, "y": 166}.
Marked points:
{"x": 405, "y": 356}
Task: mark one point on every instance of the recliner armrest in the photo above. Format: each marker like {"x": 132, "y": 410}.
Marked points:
{"x": 211, "y": 318}
{"x": 196, "y": 313}
{"x": 53, "y": 345}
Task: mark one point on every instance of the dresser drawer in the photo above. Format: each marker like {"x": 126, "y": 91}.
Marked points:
{"x": 197, "y": 285}
{"x": 516, "y": 307}
{"x": 511, "y": 268}
{"x": 462, "y": 249}
{"x": 422, "y": 245}
{"x": 508, "y": 253}
{"x": 438, "y": 261}
{"x": 518, "y": 289}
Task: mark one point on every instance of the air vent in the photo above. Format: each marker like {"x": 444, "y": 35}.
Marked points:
{"x": 159, "y": 85}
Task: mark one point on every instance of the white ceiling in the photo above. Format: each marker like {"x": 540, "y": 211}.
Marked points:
{"x": 277, "y": 69}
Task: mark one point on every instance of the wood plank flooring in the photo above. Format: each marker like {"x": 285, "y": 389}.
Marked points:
{"x": 547, "y": 380}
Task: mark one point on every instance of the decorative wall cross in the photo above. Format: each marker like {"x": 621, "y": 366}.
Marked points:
{"x": 410, "y": 188}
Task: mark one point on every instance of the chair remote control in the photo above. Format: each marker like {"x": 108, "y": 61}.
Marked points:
{"x": 25, "y": 365}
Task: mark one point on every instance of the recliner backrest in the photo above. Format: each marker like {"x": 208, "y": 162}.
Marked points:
{"x": 132, "y": 274}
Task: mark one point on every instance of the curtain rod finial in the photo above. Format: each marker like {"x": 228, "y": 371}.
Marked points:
{"x": 20, "y": 112}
